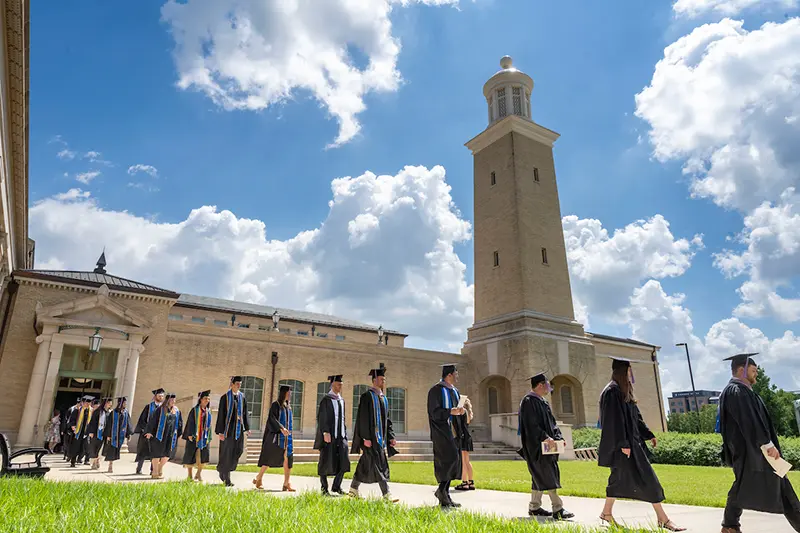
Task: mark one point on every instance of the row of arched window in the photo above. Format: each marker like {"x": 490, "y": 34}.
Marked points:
{"x": 253, "y": 389}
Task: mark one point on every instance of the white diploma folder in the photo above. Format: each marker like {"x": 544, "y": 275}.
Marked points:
{"x": 558, "y": 446}
{"x": 780, "y": 466}
{"x": 461, "y": 401}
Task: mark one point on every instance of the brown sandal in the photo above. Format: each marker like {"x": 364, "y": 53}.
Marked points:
{"x": 669, "y": 525}
{"x": 288, "y": 488}
{"x": 257, "y": 483}
{"x": 608, "y": 519}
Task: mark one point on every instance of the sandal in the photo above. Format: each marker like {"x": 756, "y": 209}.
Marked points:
{"x": 608, "y": 519}
{"x": 257, "y": 483}
{"x": 669, "y": 525}
{"x": 471, "y": 485}
{"x": 463, "y": 486}
{"x": 288, "y": 488}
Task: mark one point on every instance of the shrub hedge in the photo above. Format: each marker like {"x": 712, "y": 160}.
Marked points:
{"x": 702, "y": 449}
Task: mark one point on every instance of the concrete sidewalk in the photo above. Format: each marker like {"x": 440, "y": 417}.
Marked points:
{"x": 499, "y": 503}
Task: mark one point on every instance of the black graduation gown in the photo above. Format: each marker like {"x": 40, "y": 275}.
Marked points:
{"x": 745, "y": 426}
{"x": 231, "y": 449}
{"x": 190, "y": 455}
{"x": 373, "y": 465}
{"x": 333, "y": 457}
{"x": 124, "y": 430}
{"x": 178, "y": 431}
{"x": 95, "y": 442}
{"x": 271, "y": 453}
{"x": 142, "y": 446}
{"x": 537, "y": 424}
{"x": 622, "y": 426}
{"x": 163, "y": 447}
{"x": 77, "y": 445}
{"x": 446, "y": 433}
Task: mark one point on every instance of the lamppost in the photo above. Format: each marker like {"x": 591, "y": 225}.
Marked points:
{"x": 691, "y": 376}
{"x": 380, "y": 334}
{"x": 95, "y": 341}
{"x": 275, "y": 319}
{"x": 274, "y": 363}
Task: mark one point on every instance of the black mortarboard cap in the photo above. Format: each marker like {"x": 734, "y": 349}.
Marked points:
{"x": 620, "y": 362}
{"x": 741, "y": 359}
{"x": 375, "y": 372}
{"x": 95, "y": 401}
{"x": 88, "y": 398}
{"x": 120, "y": 401}
{"x": 158, "y": 391}
{"x": 204, "y": 394}
{"x": 236, "y": 379}
{"x": 538, "y": 378}
{"x": 170, "y": 395}
{"x": 284, "y": 388}
{"x": 337, "y": 378}
{"x": 449, "y": 368}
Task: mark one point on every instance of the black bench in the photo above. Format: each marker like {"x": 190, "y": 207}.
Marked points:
{"x": 29, "y": 469}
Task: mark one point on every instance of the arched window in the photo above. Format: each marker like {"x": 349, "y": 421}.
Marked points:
{"x": 322, "y": 390}
{"x": 296, "y": 402}
{"x": 493, "y": 405}
{"x": 566, "y": 400}
{"x": 253, "y": 390}
{"x": 396, "y": 397}
{"x": 358, "y": 390}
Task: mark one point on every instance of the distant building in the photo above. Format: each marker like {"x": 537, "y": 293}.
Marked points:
{"x": 686, "y": 401}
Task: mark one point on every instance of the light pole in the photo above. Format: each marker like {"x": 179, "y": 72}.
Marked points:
{"x": 691, "y": 376}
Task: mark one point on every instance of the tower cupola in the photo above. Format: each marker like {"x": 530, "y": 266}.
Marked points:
{"x": 508, "y": 92}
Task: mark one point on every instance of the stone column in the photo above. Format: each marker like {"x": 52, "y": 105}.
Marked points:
{"x": 28, "y": 428}
{"x": 131, "y": 371}
{"x": 50, "y": 382}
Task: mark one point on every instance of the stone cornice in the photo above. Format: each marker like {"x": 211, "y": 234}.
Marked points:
{"x": 92, "y": 290}
{"x": 17, "y": 44}
{"x": 512, "y": 123}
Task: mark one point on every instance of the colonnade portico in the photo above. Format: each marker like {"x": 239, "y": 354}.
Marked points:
{"x": 70, "y": 324}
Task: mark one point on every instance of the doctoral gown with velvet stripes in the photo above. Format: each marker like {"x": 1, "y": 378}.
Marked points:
{"x": 373, "y": 465}
{"x": 446, "y": 432}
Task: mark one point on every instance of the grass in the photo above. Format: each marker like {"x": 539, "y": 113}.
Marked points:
{"x": 689, "y": 485}
{"x": 28, "y": 506}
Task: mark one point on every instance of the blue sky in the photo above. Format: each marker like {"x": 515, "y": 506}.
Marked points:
{"x": 104, "y": 78}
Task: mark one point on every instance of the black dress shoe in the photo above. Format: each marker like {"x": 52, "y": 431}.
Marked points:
{"x": 338, "y": 491}
{"x": 539, "y": 512}
{"x": 563, "y": 514}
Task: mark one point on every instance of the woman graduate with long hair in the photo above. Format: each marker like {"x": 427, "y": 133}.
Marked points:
{"x": 276, "y": 446}
{"x": 97, "y": 424}
{"x": 197, "y": 435}
{"x": 622, "y": 449}
{"x": 118, "y": 430}
{"x": 159, "y": 433}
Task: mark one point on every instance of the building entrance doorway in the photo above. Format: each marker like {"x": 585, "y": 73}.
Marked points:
{"x": 82, "y": 373}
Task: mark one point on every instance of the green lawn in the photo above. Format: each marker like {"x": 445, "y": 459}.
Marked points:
{"x": 34, "y": 506}
{"x": 690, "y": 485}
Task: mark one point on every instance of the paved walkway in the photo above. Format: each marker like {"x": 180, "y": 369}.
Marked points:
{"x": 505, "y": 504}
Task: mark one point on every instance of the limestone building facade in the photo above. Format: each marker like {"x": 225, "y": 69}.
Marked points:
{"x": 154, "y": 337}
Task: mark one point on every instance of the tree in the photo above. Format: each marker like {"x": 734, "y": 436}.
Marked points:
{"x": 779, "y": 403}
{"x": 693, "y": 422}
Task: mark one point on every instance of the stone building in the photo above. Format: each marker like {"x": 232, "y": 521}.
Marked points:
{"x": 154, "y": 337}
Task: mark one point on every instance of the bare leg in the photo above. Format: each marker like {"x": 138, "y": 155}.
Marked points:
{"x": 110, "y": 466}
{"x": 154, "y": 466}
{"x": 469, "y": 467}
{"x": 607, "y": 510}
{"x": 199, "y": 476}
{"x": 189, "y": 470}
{"x": 464, "y": 468}
{"x": 287, "y": 472}
{"x": 259, "y": 477}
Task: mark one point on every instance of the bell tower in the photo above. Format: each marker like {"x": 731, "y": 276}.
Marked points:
{"x": 520, "y": 257}
{"x": 524, "y": 317}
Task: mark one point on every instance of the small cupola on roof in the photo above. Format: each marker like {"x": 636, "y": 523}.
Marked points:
{"x": 100, "y": 268}
{"x": 508, "y": 92}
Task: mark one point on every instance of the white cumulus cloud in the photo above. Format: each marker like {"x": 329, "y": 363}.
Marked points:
{"x": 401, "y": 271}
{"x": 695, "y": 8}
{"x": 251, "y": 54}
{"x": 147, "y": 169}
{"x": 87, "y": 177}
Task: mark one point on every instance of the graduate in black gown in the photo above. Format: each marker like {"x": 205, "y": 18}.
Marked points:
{"x": 97, "y": 424}
{"x": 537, "y": 425}
{"x": 142, "y": 446}
{"x": 277, "y": 443}
{"x": 331, "y": 438}
{"x": 233, "y": 423}
{"x": 118, "y": 430}
{"x": 373, "y": 437}
{"x": 446, "y": 425}
{"x": 746, "y": 427}
{"x": 197, "y": 435}
{"x": 79, "y": 426}
{"x": 159, "y": 432}
{"x": 66, "y": 429}
{"x": 622, "y": 449}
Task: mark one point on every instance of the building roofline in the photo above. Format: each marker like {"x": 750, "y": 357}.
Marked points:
{"x": 623, "y": 340}
{"x": 150, "y": 290}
